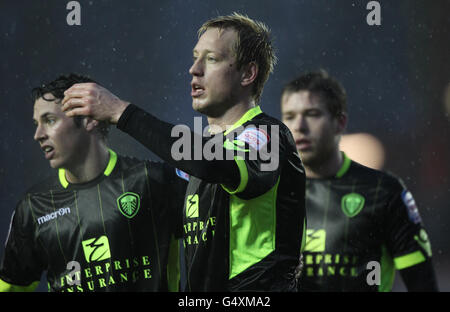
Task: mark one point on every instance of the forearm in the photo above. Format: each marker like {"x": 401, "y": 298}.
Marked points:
{"x": 156, "y": 135}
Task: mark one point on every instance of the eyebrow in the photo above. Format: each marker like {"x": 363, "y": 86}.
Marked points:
{"x": 306, "y": 110}
{"x": 44, "y": 115}
{"x": 312, "y": 108}
{"x": 316, "y": 109}
{"x": 196, "y": 51}
{"x": 207, "y": 51}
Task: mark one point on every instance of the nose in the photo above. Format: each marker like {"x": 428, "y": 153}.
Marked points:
{"x": 300, "y": 124}
{"x": 196, "y": 68}
{"x": 39, "y": 134}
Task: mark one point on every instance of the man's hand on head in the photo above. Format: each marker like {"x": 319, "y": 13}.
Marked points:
{"x": 90, "y": 99}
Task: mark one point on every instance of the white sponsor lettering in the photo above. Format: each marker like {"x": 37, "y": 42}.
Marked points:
{"x": 53, "y": 215}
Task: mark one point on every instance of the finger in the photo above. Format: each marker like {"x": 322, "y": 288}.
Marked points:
{"x": 71, "y": 94}
{"x": 72, "y": 88}
{"x": 73, "y": 103}
{"x": 82, "y": 85}
{"x": 78, "y": 111}
{"x": 80, "y": 88}
{"x": 86, "y": 86}
{"x": 78, "y": 92}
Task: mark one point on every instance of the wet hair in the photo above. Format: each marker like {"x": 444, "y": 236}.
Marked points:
{"x": 57, "y": 88}
{"x": 320, "y": 83}
{"x": 253, "y": 44}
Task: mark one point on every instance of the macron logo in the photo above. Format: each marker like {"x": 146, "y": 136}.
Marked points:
{"x": 53, "y": 215}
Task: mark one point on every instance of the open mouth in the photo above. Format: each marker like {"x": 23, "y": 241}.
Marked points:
{"x": 49, "y": 151}
{"x": 197, "y": 90}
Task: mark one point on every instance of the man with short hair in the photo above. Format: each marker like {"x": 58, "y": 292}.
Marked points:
{"x": 362, "y": 223}
{"x": 242, "y": 214}
{"x": 102, "y": 222}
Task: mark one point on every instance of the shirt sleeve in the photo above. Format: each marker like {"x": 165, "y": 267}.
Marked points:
{"x": 407, "y": 240}
{"x": 166, "y": 141}
{"x": 247, "y": 163}
{"x": 21, "y": 267}
{"x": 260, "y": 155}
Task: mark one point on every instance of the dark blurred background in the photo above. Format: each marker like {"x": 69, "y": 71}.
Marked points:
{"x": 396, "y": 76}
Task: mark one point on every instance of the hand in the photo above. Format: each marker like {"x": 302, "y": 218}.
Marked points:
{"x": 90, "y": 99}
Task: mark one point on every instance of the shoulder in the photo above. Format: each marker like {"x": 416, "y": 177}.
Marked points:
{"x": 129, "y": 166}
{"x": 155, "y": 170}
{"x": 130, "y": 163}
{"x": 50, "y": 182}
{"x": 270, "y": 125}
{"x": 400, "y": 199}
{"x": 384, "y": 179}
{"x": 39, "y": 191}
{"x": 126, "y": 162}
{"x": 264, "y": 119}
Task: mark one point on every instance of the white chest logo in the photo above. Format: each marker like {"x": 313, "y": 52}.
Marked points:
{"x": 53, "y": 215}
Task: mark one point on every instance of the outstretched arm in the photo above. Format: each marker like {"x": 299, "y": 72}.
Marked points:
{"x": 90, "y": 99}
{"x": 235, "y": 173}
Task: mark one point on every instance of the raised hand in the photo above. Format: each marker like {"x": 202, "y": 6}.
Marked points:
{"x": 91, "y": 99}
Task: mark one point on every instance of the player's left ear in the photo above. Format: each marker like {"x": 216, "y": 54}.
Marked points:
{"x": 90, "y": 124}
{"x": 249, "y": 74}
{"x": 341, "y": 123}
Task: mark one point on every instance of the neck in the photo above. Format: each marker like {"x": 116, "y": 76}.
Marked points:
{"x": 326, "y": 168}
{"x": 92, "y": 163}
{"x": 230, "y": 117}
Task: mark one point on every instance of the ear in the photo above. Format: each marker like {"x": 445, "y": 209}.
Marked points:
{"x": 341, "y": 123}
{"x": 90, "y": 124}
{"x": 249, "y": 74}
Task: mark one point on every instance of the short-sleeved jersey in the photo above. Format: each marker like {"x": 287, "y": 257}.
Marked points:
{"x": 115, "y": 233}
{"x": 246, "y": 239}
{"x": 355, "y": 218}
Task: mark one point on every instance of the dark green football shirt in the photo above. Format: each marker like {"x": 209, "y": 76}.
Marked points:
{"x": 359, "y": 216}
{"x": 242, "y": 239}
{"x": 121, "y": 229}
{"x": 245, "y": 203}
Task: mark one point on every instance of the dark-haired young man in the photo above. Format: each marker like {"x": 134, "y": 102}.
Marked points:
{"x": 103, "y": 222}
{"x": 362, "y": 223}
{"x": 241, "y": 217}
